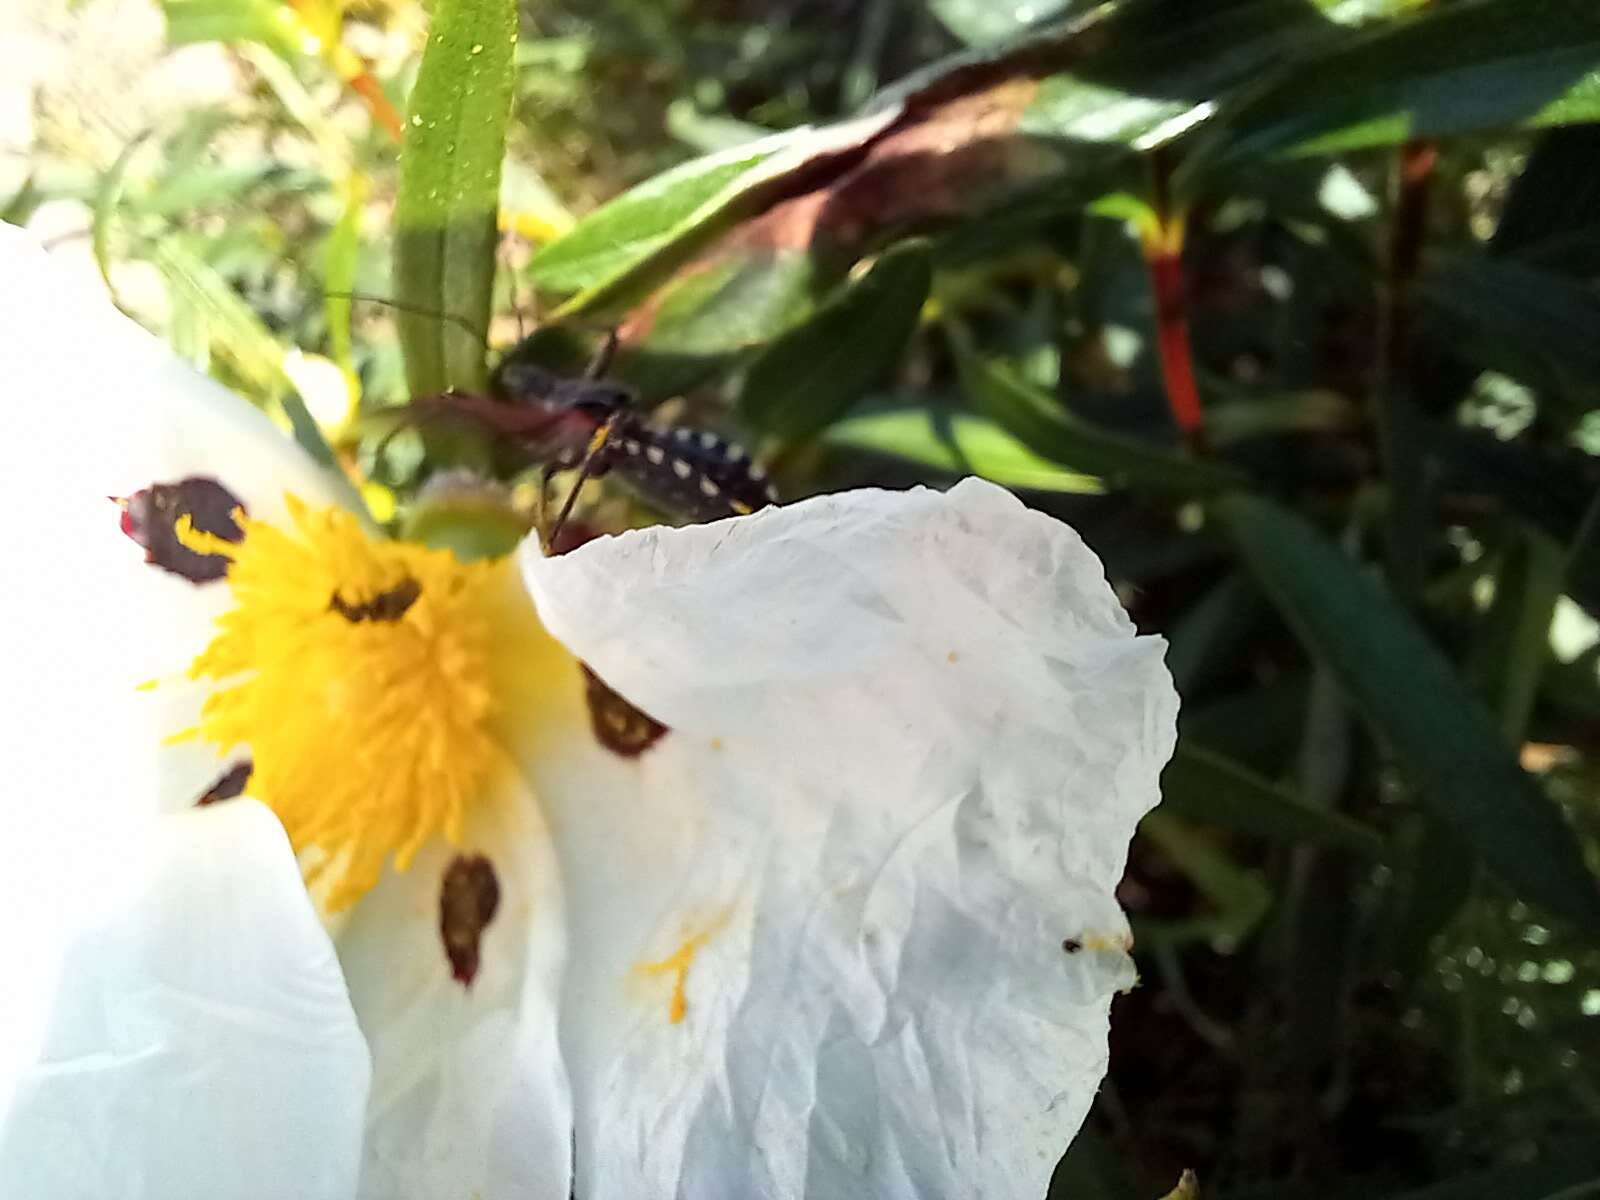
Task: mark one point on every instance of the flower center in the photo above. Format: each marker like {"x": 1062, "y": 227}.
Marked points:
{"x": 359, "y": 674}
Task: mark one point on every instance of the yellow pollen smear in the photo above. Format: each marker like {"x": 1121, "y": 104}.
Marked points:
{"x": 359, "y": 675}
{"x": 677, "y": 965}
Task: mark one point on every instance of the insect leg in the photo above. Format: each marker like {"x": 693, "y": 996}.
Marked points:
{"x": 599, "y": 444}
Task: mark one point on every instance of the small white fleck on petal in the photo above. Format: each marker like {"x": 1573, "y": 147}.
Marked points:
{"x": 709, "y": 487}
{"x": 681, "y": 469}
{"x": 655, "y": 454}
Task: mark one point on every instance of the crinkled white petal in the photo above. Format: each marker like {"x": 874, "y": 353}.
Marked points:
{"x": 201, "y": 1043}
{"x": 469, "y": 1092}
{"x": 96, "y": 407}
{"x": 911, "y": 736}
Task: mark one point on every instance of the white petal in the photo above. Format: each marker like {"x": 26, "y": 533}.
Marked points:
{"x": 911, "y": 736}
{"x": 469, "y": 1092}
{"x": 101, "y": 408}
{"x": 201, "y": 1043}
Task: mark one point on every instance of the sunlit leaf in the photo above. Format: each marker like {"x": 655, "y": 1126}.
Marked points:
{"x": 626, "y": 247}
{"x": 1456, "y": 69}
{"x": 958, "y": 443}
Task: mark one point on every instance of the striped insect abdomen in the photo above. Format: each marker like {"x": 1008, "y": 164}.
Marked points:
{"x": 693, "y": 472}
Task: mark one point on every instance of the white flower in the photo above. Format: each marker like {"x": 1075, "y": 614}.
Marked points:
{"x": 837, "y": 922}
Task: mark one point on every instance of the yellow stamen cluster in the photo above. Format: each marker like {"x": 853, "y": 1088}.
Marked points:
{"x": 358, "y": 674}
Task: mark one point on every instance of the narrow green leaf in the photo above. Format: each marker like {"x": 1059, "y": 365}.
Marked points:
{"x": 814, "y": 373}
{"x": 1239, "y": 896}
{"x": 1033, "y": 416}
{"x": 961, "y": 444}
{"x": 243, "y": 345}
{"x": 1417, "y": 702}
{"x": 1564, "y": 1174}
{"x": 270, "y": 22}
{"x": 1457, "y": 69}
{"x": 1511, "y": 650}
{"x": 1583, "y": 559}
{"x": 1212, "y": 632}
{"x": 625, "y": 248}
{"x": 450, "y": 191}
{"x": 339, "y": 258}
{"x": 1556, "y": 199}
{"x": 982, "y": 22}
{"x": 1532, "y": 324}
{"x": 1202, "y": 785}
{"x": 19, "y": 207}
{"x": 639, "y": 221}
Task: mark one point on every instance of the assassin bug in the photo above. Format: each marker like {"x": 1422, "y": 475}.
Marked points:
{"x": 595, "y": 425}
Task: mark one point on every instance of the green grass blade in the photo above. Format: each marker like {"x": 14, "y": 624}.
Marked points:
{"x": 450, "y": 191}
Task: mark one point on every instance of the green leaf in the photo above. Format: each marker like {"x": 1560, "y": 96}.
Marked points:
{"x": 624, "y": 248}
{"x": 642, "y": 220}
{"x": 1202, "y": 785}
{"x": 244, "y": 346}
{"x": 340, "y": 255}
{"x": 1151, "y": 70}
{"x": 1564, "y": 1174}
{"x": 1532, "y": 324}
{"x": 981, "y": 22}
{"x": 270, "y": 22}
{"x": 814, "y": 373}
{"x": 1458, "y": 69}
{"x": 1032, "y": 415}
{"x": 1417, "y": 702}
{"x": 961, "y": 444}
{"x": 1239, "y": 896}
{"x": 1555, "y": 201}
{"x": 1513, "y": 646}
{"x": 450, "y": 190}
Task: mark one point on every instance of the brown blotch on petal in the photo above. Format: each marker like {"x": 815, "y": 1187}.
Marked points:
{"x": 150, "y": 517}
{"x": 468, "y": 899}
{"x": 227, "y": 785}
{"x": 618, "y": 726}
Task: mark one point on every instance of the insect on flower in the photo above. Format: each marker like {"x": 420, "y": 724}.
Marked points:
{"x": 595, "y": 425}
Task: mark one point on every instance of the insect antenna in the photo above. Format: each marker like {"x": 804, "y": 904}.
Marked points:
{"x": 456, "y": 319}
{"x": 603, "y": 357}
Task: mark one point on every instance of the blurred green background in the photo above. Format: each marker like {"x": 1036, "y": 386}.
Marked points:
{"x": 1289, "y": 306}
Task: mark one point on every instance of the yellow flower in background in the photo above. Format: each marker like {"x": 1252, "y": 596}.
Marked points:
{"x": 771, "y": 858}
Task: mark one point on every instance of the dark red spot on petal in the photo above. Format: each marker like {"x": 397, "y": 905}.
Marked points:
{"x": 228, "y": 785}
{"x": 468, "y": 898}
{"x": 618, "y": 725}
{"x": 150, "y": 517}
{"x": 1071, "y": 945}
